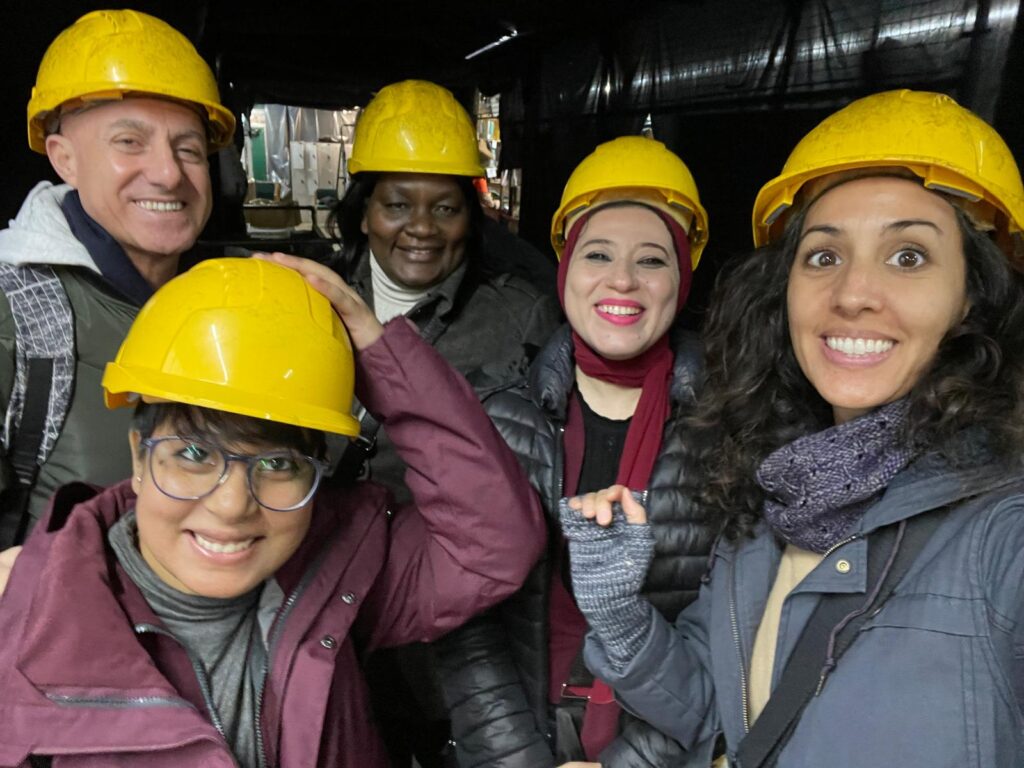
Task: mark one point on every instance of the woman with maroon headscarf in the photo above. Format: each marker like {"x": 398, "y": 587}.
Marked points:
{"x": 600, "y": 404}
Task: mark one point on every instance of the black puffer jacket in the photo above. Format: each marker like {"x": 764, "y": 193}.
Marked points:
{"x": 495, "y": 669}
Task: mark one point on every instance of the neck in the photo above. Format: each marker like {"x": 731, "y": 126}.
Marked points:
{"x": 391, "y": 299}
{"x": 156, "y": 269}
{"x": 609, "y": 400}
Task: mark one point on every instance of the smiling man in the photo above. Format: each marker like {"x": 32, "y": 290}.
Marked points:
{"x": 127, "y": 112}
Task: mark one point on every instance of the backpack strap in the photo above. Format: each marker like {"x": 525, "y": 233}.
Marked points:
{"x": 832, "y": 628}
{"x": 43, "y": 378}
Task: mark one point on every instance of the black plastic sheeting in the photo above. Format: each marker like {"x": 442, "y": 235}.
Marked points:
{"x": 731, "y": 85}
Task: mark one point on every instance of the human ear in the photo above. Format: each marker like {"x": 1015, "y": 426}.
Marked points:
{"x": 61, "y": 152}
{"x": 135, "y": 441}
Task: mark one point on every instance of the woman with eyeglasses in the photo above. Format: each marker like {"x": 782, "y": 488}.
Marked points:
{"x": 214, "y": 609}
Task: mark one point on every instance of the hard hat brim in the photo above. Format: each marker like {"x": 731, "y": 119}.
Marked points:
{"x": 120, "y": 384}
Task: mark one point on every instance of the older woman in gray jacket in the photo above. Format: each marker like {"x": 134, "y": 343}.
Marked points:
{"x": 865, "y": 417}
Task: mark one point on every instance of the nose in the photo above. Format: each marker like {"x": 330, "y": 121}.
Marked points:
{"x": 622, "y": 275}
{"x": 232, "y": 500}
{"x": 163, "y": 166}
{"x": 858, "y": 287}
{"x": 421, "y": 222}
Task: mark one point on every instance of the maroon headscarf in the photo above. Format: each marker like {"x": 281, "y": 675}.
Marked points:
{"x": 651, "y": 370}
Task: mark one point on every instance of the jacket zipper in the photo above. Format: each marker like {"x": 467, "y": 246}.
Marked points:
{"x": 560, "y": 466}
{"x": 112, "y": 701}
{"x": 275, "y": 634}
{"x": 744, "y": 697}
{"x": 744, "y": 693}
{"x": 197, "y": 667}
{"x": 839, "y": 544}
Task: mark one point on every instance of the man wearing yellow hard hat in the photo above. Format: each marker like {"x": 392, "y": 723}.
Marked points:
{"x": 127, "y": 113}
{"x": 215, "y": 607}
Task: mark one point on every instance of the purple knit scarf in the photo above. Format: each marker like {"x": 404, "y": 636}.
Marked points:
{"x": 817, "y": 486}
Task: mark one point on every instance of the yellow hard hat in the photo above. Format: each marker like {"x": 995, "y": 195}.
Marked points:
{"x": 109, "y": 55}
{"x": 950, "y": 148}
{"x": 415, "y": 127}
{"x": 633, "y": 168}
{"x": 240, "y": 335}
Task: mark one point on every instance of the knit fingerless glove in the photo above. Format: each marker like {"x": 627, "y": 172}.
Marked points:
{"x": 608, "y": 567}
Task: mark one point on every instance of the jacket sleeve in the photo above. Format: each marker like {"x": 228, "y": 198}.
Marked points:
{"x": 492, "y": 724}
{"x": 474, "y": 527}
{"x": 668, "y": 682}
{"x": 544, "y": 318}
{"x": 640, "y": 745}
{"x": 1001, "y": 569}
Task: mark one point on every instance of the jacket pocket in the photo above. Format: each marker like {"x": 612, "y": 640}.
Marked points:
{"x": 916, "y": 688}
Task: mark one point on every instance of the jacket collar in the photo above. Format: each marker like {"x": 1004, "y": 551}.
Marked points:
{"x": 932, "y": 482}
{"x": 552, "y": 376}
{"x": 442, "y": 296}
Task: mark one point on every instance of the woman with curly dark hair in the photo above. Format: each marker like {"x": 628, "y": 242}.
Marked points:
{"x": 861, "y": 427}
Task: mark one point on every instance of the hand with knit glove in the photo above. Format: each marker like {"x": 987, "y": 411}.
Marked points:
{"x": 611, "y": 545}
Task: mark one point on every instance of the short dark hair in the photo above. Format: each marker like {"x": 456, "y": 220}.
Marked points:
{"x": 226, "y": 428}
{"x": 345, "y": 220}
{"x": 757, "y": 399}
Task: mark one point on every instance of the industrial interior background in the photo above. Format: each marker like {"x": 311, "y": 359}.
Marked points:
{"x": 730, "y": 85}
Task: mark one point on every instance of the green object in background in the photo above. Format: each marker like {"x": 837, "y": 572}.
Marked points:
{"x": 258, "y": 139}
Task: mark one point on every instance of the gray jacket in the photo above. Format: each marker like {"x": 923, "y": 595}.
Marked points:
{"x": 936, "y": 677}
{"x": 488, "y": 329}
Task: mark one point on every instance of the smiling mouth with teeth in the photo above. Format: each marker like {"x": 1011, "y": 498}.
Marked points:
{"x": 160, "y": 205}
{"x": 856, "y": 347}
{"x": 614, "y": 309}
{"x": 223, "y": 548}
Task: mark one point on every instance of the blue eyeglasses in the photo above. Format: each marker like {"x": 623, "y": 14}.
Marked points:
{"x": 187, "y": 469}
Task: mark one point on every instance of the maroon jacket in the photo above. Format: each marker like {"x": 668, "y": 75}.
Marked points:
{"x": 78, "y": 682}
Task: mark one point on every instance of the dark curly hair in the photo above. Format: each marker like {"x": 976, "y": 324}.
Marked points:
{"x": 345, "y": 220}
{"x": 756, "y": 399}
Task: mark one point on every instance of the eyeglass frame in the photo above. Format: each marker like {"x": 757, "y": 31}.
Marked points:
{"x": 249, "y": 459}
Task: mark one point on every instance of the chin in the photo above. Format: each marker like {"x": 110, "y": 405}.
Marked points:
{"x": 621, "y": 351}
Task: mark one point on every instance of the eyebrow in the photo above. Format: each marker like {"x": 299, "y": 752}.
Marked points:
{"x": 409, "y": 189}
{"x": 606, "y": 241}
{"x": 147, "y": 129}
{"x": 825, "y": 229}
{"x": 893, "y": 226}
{"x": 899, "y": 226}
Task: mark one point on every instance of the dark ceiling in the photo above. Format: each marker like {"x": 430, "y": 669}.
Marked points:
{"x": 731, "y": 84}
{"x": 336, "y": 53}
{"x": 327, "y": 53}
